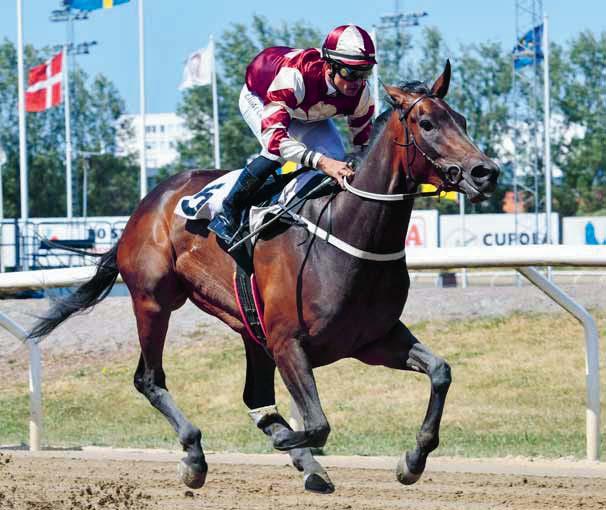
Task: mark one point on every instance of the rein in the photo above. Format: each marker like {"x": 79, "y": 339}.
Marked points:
{"x": 452, "y": 182}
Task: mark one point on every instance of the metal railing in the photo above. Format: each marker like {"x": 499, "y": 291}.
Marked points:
{"x": 521, "y": 258}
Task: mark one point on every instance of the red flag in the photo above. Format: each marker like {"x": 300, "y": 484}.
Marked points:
{"x": 44, "y": 90}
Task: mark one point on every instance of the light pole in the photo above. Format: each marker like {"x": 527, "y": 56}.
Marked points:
{"x": 399, "y": 21}
{"x": 68, "y": 16}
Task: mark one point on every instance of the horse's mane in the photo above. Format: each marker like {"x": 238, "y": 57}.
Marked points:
{"x": 415, "y": 87}
{"x": 418, "y": 87}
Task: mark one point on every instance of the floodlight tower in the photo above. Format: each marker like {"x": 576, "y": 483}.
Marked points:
{"x": 399, "y": 21}
{"x": 527, "y": 90}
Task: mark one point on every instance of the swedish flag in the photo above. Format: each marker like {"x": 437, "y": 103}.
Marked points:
{"x": 91, "y": 5}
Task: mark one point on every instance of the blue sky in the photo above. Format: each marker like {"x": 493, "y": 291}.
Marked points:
{"x": 174, "y": 28}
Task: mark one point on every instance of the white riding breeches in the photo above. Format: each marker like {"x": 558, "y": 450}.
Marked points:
{"x": 321, "y": 136}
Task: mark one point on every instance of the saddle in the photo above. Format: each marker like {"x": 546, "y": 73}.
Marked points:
{"x": 280, "y": 191}
{"x": 247, "y": 294}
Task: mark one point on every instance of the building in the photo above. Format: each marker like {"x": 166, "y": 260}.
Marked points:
{"x": 163, "y": 131}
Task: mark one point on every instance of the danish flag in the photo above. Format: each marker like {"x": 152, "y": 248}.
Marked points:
{"x": 44, "y": 85}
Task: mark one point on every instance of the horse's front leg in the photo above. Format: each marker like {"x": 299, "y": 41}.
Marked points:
{"x": 296, "y": 371}
{"x": 259, "y": 396}
{"x": 401, "y": 350}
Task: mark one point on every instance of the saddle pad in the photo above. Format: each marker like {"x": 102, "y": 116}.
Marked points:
{"x": 205, "y": 204}
{"x": 209, "y": 201}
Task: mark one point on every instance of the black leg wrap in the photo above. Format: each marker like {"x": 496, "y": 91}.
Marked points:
{"x": 227, "y": 223}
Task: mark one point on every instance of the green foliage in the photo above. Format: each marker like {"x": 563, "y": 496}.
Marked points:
{"x": 580, "y": 96}
{"x": 481, "y": 89}
{"x": 96, "y": 105}
{"x": 237, "y": 47}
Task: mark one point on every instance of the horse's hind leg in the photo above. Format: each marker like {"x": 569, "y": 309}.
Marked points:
{"x": 259, "y": 396}
{"x": 401, "y": 350}
{"x": 152, "y": 324}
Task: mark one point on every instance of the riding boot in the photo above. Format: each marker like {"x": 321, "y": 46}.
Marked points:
{"x": 227, "y": 223}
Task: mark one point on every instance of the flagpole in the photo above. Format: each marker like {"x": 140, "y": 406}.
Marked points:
{"x": 217, "y": 148}
{"x": 375, "y": 76}
{"x": 68, "y": 135}
{"x": 22, "y": 126}
{"x": 22, "y": 136}
{"x": 547, "y": 134}
{"x": 143, "y": 171}
{"x": 546, "y": 129}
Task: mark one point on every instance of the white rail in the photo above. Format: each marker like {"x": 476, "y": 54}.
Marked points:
{"x": 35, "y": 380}
{"x": 519, "y": 257}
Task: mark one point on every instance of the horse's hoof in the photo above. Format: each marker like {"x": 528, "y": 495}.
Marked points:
{"x": 404, "y": 474}
{"x": 319, "y": 483}
{"x": 192, "y": 476}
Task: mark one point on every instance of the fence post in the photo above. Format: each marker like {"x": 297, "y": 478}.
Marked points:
{"x": 592, "y": 355}
{"x": 35, "y": 380}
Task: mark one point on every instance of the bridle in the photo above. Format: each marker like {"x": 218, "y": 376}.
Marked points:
{"x": 450, "y": 182}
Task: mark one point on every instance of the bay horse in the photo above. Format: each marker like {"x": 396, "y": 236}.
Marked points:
{"x": 321, "y": 304}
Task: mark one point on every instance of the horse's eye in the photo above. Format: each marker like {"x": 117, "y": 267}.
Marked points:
{"x": 426, "y": 125}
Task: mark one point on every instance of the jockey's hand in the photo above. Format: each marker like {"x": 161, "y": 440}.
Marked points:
{"x": 336, "y": 169}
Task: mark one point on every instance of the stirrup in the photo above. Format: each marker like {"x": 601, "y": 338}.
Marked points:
{"x": 224, "y": 229}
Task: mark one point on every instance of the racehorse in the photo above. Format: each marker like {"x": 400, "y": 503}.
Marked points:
{"x": 321, "y": 302}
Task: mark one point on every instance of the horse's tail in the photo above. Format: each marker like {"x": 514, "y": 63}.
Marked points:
{"x": 86, "y": 295}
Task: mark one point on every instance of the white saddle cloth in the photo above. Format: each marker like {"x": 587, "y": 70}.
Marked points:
{"x": 205, "y": 204}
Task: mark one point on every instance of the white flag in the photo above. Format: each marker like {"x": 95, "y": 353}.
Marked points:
{"x": 198, "y": 68}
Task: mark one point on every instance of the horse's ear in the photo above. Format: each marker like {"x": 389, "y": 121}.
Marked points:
{"x": 395, "y": 96}
{"x": 440, "y": 87}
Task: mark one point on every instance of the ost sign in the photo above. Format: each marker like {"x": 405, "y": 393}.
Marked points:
{"x": 496, "y": 230}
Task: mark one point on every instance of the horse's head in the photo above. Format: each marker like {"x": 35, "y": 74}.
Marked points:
{"x": 439, "y": 150}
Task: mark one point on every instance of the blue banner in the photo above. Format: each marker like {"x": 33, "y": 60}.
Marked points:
{"x": 91, "y": 5}
{"x": 529, "y": 48}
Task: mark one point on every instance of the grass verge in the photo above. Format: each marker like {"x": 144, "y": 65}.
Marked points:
{"x": 518, "y": 389}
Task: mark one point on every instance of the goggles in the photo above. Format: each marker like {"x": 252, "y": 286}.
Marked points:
{"x": 353, "y": 74}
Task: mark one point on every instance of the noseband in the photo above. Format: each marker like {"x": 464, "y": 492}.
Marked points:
{"x": 450, "y": 181}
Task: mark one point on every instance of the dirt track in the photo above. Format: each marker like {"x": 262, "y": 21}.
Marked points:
{"x": 55, "y": 480}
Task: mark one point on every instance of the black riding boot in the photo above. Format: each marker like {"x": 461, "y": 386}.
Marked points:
{"x": 226, "y": 223}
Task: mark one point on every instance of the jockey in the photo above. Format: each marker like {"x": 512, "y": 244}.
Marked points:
{"x": 288, "y": 101}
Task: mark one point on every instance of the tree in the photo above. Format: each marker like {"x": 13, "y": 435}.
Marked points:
{"x": 481, "y": 90}
{"x": 237, "y": 46}
{"x": 579, "y": 95}
{"x": 96, "y": 106}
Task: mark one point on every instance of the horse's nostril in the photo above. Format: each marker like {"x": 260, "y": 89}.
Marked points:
{"x": 480, "y": 172}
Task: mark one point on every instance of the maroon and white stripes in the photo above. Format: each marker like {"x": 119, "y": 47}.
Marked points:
{"x": 294, "y": 84}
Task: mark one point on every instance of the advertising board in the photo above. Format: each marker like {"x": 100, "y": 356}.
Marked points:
{"x": 584, "y": 230}
{"x": 496, "y": 230}
{"x": 422, "y": 229}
